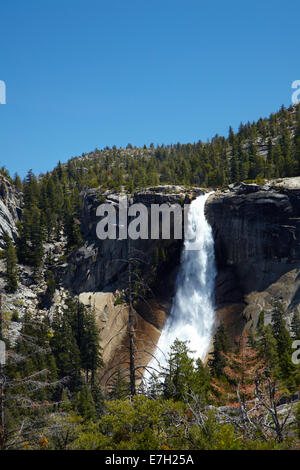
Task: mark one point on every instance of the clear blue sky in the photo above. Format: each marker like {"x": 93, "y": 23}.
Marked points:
{"x": 82, "y": 74}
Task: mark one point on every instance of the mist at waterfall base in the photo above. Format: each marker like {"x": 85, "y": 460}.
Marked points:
{"x": 192, "y": 315}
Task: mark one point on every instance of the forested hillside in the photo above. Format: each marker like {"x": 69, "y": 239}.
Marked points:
{"x": 269, "y": 148}
{"x": 243, "y": 398}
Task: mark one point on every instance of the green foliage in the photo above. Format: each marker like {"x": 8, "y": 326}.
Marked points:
{"x": 267, "y": 346}
{"x": 51, "y": 285}
{"x": 295, "y": 325}
{"x": 52, "y": 203}
{"x": 15, "y": 316}
{"x": 75, "y": 343}
{"x": 11, "y": 261}
{"x": 284, "y": 347}
{"x": 143, "y": 424}
{"x": 261, "y": 321}
{"x": 30, "y": 243}
{"x": 139, "y": 424}
{"x": 213, "y": 436}
{"x": 66, "y": 351}
{"x": 298, "y": 418}
{"x": 119, "y": 388}
{"x": 217, "y": 361}
{"x": 5, "y": 172}
{"x": 52, "y": 208}
{"x": 182, "y": 378}
{"x": 84, "y": 403}
{"x": 31, "y": 381}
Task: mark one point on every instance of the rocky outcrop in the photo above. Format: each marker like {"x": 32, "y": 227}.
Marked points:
{"x": 10, "y": 208}
{"x": 112, "y": 319}
{"x": 98, "y": 270}
{"x": 101, "y": 264}
{"x": 257, "y": 244}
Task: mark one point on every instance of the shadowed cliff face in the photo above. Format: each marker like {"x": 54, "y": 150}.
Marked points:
{"x": 10, "y": 208}
{"x": 101, "y": 264}
{"x": 257, "y": 244}
{"x": 98, "y": 271}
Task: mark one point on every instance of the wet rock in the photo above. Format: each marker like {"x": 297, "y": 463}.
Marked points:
{"x": 257, "y": 244}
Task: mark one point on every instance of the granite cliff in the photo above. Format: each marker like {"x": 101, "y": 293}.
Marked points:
{"x": 97, "y": 271}
{"x": 10, "y": 208}
{"x": 257, "y": 243}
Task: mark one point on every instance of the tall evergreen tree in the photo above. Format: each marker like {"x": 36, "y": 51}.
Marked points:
{"x": 217, "y": 361}
{"x": 179, "y": 372}
{"x": 11, "y": 261}
{"x": 66, "y": 351}
{"x": 85, "y": 404}
{"x": 284, "y": 349}
{"x": 297, "y": 137}
{"x": 295, "y": 325}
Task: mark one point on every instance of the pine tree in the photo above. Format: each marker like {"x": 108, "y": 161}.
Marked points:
{"x": 30, "y": 383}
{"x": 66, "y": 351}
{"x": 51, "y": 285}
{"x": 220, "y": 346}
{"x": 235, "y": 168}
{"x": 295, "y": 325}
{"x": 90, "y": 351}
{"x": 98, "y": 398}
{"x": 201, "y": 382}
{"x": 85, "y": 403}
{"x": 36, "y": 239}
{"x": 119, "y": 387}
{"x": 65, "y": 402}
{"x": 267, "y": 345}
{"x": 71, "y": 226}
{"x": 261, "y": 322}
{"x": 284, "y": 349}
{"x": 11, "y": 264}
{"x": 86, "y": 334}
{"x": 179, "y": 373}
{"x": 18, "y": 182}
{"x": 30, "y": 243}
{"x": 231, "y": 136}
{"x": 297, "y": 137}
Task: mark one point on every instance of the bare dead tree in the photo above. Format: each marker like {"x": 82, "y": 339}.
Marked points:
{"x": 137, "y": 291}
{"x": 260, "y": 416}
{"x": 268, "y": 397}
{"x": 2, "y": 385}
{"x": 131, "y": 323}
{"x": 20, "y": 393}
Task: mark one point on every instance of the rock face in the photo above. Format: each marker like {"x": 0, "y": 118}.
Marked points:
{"x": 257, "y": 243}
{"x": 101, "y": 264}
{"x": 10, "y": 208}
{"x": 112, "y": 319}
{"x": 98, "y": 270}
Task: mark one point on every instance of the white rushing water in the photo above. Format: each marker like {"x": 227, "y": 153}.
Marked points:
{"x": 192, "y": 315}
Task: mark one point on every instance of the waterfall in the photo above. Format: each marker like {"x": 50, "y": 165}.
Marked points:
{"x": 192, "y": 314}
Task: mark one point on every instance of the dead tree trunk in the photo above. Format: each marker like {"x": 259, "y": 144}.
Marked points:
{"x": 131, "y": 323}
{"x": 2, "y": 382}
